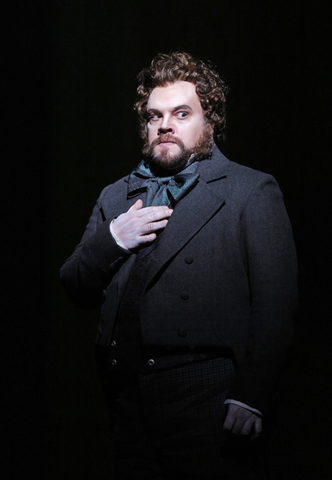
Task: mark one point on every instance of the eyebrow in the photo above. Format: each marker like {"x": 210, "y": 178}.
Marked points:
{"x": 181, "y": 107}
{"x": 178, "y": 107}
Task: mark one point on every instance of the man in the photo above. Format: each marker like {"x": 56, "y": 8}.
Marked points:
{"x": 191, "y": 257}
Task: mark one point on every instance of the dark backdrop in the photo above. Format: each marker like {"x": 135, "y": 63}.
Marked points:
{"x": 70, "y": 130}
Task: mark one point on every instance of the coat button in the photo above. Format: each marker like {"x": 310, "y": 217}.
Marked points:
{"x": 189, "y": 260}
{"x": 151, "y": 362}
{"x": 182, "y": 333}
{"x": 114, "y": 362}
{"x": 184, "y": 295}
{"x": 118, "y": 261}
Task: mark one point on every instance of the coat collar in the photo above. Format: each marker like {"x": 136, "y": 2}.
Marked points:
{"x": 214, "y": 167}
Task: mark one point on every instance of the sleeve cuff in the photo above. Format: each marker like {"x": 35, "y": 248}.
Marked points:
{"x": 243, "y": 405}
{"x": 116, "y": 238}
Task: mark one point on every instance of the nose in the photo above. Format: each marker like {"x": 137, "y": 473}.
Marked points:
{"x": 165, "y": 126}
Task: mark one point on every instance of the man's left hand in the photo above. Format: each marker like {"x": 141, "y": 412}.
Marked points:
{"x": 241, "y": 421}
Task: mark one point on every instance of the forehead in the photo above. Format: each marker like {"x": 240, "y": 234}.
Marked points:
{"x": 173, "y": 95}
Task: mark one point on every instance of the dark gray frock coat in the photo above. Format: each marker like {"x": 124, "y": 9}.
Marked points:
{"x": 224, "y": 273}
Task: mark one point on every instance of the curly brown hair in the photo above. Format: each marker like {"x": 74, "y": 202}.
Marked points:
{"x": 181, "y": 66}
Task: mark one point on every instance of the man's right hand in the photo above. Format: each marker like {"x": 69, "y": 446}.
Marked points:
{"x": 138, "y": 225}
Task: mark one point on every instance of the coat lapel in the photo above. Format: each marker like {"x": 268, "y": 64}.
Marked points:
{"x": 193, "y": 211}
{"x": 117, "y": 202}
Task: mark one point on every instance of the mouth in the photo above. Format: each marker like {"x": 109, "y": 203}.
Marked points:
{"x": 165, "y": 143}
{"x": 166, "y": 140}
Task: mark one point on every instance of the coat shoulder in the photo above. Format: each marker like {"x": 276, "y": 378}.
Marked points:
{"x": 114, "y": 190}
{"x": 237, "y": 174}
{"x": 236, "y": 170}
{"x": 242, "y": 180}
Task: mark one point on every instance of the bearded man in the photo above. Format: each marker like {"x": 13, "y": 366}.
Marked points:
{"x": 192, "y": 260}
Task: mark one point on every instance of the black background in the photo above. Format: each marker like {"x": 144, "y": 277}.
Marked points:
{"x": 69, "y": 71}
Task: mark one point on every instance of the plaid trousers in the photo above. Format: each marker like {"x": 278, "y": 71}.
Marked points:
{"x": 168, "y": 425}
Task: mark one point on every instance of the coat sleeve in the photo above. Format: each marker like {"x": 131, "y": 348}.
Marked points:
{"x": 272, "y": 275}
{"x": 87, "y": 272}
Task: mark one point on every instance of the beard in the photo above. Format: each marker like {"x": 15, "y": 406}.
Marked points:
{"x": 202, "y": 149}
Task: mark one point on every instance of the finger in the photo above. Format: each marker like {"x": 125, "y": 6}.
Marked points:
{"x": 137, "y": 206}
{"x": 258, "y": 425}
{"x": 258, "y": 428}
{"x": 155, "y": 213}
{"x": 238, "y": 425}
{"x": 146, "y": 238}
{"x": 153, "y": 226}
{"x": 230, "y": 419}
{"x": 247, "y": 426}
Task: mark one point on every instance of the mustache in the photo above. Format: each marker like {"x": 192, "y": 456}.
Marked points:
{"x": 167, "y": 138}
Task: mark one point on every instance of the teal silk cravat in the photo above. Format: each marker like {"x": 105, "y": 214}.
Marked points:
{"x": 161, "y": 190}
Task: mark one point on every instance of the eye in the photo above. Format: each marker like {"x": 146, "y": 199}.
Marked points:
{"x": 182, "y": 115}
{"x": 153, "y": 117}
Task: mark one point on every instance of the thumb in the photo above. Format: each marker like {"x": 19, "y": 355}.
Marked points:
{"x": 137, "y": 206}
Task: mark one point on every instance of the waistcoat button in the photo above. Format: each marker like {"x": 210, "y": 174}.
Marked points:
{"x": 189, "y": 260}
{"x": 151, "y": 362}
{"x": 184, "y": 295}
{"x": 114, "y": 362}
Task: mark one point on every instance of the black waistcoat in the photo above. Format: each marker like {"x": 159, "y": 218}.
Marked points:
{"x": 128, "y": 354}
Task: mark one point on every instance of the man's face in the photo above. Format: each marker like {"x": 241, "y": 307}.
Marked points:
{"x": 176, "y": 123}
